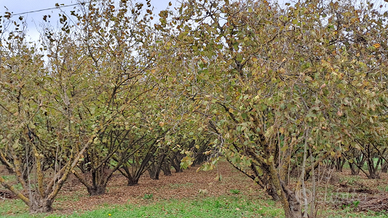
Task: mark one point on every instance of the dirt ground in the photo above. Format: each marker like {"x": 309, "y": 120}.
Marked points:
{"x": 187, "y": 184}
{"x": 342, "y": 191}
{"x": 358, "y": 192}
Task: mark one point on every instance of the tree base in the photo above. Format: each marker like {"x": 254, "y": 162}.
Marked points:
{"x": 97, "y": 190}
{"x": 40, "y": 206}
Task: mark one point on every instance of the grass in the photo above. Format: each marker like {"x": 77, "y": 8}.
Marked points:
{"x": 235, "y": 191}
{"x": 11, "y": 179}
{"x": 350, "y": 180}
{"x": 204, "y": 207}
{"x": 148, "y": 196}
{"x": 76, "y": 196}
{"x": 383, "y": 188}
{"x": 16, "y": 207}
{"x": 237, "y": 203}
{"x": 225, "y": 206}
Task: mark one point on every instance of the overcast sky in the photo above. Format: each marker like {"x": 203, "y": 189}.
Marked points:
{"x": 35, "y": 18}
{"x": 18, "y": 6}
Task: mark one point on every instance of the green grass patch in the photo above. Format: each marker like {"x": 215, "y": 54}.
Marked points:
{"x": 350, "y": 180}
{"x": 235, "y": 191}
{"x": 203, "y": 207}
{"x": 9, "y": 178}
{"x": 227, "y": 206}
{"x": 383, "y": 188}
{"x": 148, "y": 196}
{"x": 13, "y": 207}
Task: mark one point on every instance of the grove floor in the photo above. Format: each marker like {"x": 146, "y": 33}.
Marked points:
{"x": 339, "y": 196}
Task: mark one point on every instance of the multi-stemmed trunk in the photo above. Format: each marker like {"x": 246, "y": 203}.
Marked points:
{"x": 134, "y": 171}
{"x": 95, "y": 181}
{"x": 156, "y": 166}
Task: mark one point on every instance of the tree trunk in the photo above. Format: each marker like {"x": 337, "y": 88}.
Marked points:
{"x": 156, "y": 167}
{"x": 354, "y": 169}
{"x": 132, "y": 182}
{"x": 356, "y": 160}
{"x": 4, "y": 162}
{"x": 384, "y": 167}
{"x": 154, "y": 172}
{"x": 176, "y": 164}
{"x": 339, "y": 163}
{"x": 271, "y": 191}
{"x": 294, "y": 207}
{"x": 166, "y": 168}
{"x": 372, "y": 169}
{"x": 291, "y": 205}
{"x": 96, "y": 190}
{"x": 95, "y": 181}
{"x": 38, "y": 205}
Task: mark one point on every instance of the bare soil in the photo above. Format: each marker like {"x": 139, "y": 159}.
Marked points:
{"x": 358, "y": 192}
{"x": 363, "y": 194}
{"x": 187, "y": 184}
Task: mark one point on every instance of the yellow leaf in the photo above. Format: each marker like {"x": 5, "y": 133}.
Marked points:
{"x": 377, "y": 45}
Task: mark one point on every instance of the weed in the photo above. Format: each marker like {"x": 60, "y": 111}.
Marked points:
{"x": 148, "y": 196}
{"x": 235, "y": 191}
{"x": 356, "y": 203}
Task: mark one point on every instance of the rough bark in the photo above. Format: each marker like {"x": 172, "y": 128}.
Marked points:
{"x": 384, "y": 167}
{"x": 6, "y": 164}
{"x": 291, "y": 205}
{"x": 99, "y": 180}
{"x": 132, "y": 182}
{"x": 96, "y": 190}
{"x": 354, "y": 169}
{"x": 294, "y": 207}
{"x": 156, "y": 167}
{"x": 175, "y": 162}
{"x": 339, "y": 163}
{"x": 39, "y": 205}
{"x": 166, "y": 168}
